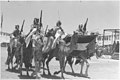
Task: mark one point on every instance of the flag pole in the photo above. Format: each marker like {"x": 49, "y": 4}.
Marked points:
{"x": 1, "y": 21}
{"x": 58, "y": 15}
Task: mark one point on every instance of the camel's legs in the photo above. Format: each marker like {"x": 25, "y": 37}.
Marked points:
{"x": 36, "y": 61}
{"x": 65, "y": 64}
{"x": 47, "y": 64}
{"x": 97, "y": 53}
{"x": 87, "y": 65}
{"x": 21, "y": 68}
{"x": 12, "y": 63}
{"x": 62, "y": 65}
{"x": 86, "y": 72}
{"x": 43, "y": 61}
{"x": 72, "y": 68}
{"x": 8, "y": 66}
{"x": 8, "y": 63}
{"x": 11, "y": 58}
{"x": 81, "y": 71}
{"x": 70, "y": 62}
{"x": 39, "y": 67}
{"x": 43, "y": 66}
{"x": 27, "y": 69}
{"x": 40, "y": 61}
{"x": 21, "y": 60}
{"x": 36, "y": 68}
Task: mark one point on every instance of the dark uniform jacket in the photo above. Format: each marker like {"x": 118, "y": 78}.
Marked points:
{"x": 16, "y": 33}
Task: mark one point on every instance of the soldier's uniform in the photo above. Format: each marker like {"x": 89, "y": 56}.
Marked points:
{"x": 16, "y": 32}
{"x": 16, "y": 35}
{"x": 80, "y": 30}
{"x": 58, "y": 33}
{"x": 35, "y": 29}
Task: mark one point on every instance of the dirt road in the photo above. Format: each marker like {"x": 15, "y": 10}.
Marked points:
{"x": 99, "y": 69}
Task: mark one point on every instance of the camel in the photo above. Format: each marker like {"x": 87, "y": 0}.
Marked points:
{"x": 82, "y": 57}
{"x": 61, "y": 51}
{"x": 25, "y": 56}
{"x": 11, "y": 52}
{"x": 21, "y": 53}
{"x": 10, "y": 57}
{"x": 41, "y": 47}
{"x": 47, "y": 43}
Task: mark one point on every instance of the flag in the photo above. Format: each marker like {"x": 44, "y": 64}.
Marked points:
{"x": 83, "y": 41}
{"x": 1, "y": 20}
{"x": 84, "y": 28}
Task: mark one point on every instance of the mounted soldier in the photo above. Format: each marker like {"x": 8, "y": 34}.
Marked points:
{"x": 14, "y": 42}
{"x": 16, "y": 32}
{"x": 35, "y": 29}
{"x": 14, "y": 38}
{"x": 13, "y": 45}
{"x": 82, "y": 28}
{"x": 16, "y": 35}
{"x": 58, "y": 32}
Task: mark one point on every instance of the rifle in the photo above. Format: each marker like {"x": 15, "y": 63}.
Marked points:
{"x": 40, "y": 19}
{"x": 46, "y": 29}
{"x": 22, "y": 27}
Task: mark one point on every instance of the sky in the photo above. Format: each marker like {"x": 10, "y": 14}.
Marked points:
{"x": 101, "y": 14}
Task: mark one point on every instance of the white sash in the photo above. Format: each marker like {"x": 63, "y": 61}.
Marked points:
{"x": 28, "y": 38}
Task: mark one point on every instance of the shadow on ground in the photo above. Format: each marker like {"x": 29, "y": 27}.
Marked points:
{"x": 51, "y": 77}
{"x": 12, "y": 70}
{"x": 25, "y": 77}
{"x": 16, "y": 70}
{"x": 76, "y": 74}
{"x": 30, "y": 77}
{"x": 43, "y": 76}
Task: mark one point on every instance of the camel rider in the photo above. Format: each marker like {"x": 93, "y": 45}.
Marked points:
{"x": 80, "y": 29}
{"x": 47, "y": 41}
{"x": 16, "y": 35}
{"x": 58, "y": 32}
{"x": 16, "y": 32}
{"x": 35, "y": 29}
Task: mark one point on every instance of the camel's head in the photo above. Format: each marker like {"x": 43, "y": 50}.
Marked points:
{"x": 74, "y": 37}
{"x": 50, "y": 33}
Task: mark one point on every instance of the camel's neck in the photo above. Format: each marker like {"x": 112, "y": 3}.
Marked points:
{"x": 71, "y": 46}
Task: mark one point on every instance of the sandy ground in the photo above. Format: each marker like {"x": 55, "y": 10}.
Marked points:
{"x": 99, "y": 69}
